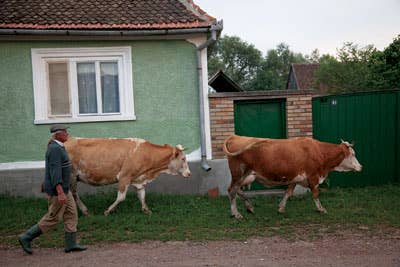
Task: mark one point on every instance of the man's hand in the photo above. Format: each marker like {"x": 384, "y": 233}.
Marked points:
{"x": 62, "y": 199}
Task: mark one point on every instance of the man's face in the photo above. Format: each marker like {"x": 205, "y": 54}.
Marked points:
{"x": 62, "y": 136}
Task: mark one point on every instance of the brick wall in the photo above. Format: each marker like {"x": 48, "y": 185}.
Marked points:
{"x": 222, "y": 123}
{"x": 298, "y": 114}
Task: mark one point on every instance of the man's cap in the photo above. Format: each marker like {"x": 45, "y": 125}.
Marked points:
{"x": 58, "y": 127}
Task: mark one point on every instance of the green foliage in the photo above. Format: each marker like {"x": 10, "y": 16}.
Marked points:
{"x": 353, "y": 69}
{"x": 274, "y": 70}
{"x": 314, "y": 57}
{"x": 244, "y": 64}
{"x": 391, "y": 70}
{"x": 177, "y": 217}
{"x": 349, "y": 72}
{"x": 238, "y": 59}
{"x": 361, "y": 69}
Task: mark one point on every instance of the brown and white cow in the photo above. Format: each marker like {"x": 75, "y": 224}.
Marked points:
{"x": 129, "y": 161}
{"x": 301, "y": 160}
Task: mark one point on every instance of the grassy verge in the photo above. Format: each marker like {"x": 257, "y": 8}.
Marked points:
{"x": 201, "y": 218}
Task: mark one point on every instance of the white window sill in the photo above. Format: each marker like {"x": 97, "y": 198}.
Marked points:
{"x": 85, "y": 119}
{"x": 22, "y": 165}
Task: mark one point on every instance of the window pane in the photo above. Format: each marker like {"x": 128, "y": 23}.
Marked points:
{"x": 59, "y": 89}
{"x": 87, "y": 88}
{"x": 109, "y": 86}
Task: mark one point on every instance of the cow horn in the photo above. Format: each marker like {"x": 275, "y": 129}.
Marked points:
{"x": 180, "y": 147}
{"x": 346, "y": 143}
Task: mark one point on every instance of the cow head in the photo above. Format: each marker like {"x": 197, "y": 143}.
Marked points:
{"x": 178, "y": 163}
{"x": 350, "y": 162}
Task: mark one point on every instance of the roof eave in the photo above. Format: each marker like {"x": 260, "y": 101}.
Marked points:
{"x": 122, "y": 32}
{"x": 231, "y": 82}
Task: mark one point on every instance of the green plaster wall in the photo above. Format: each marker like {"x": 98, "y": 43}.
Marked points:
{"x": 165, "y": 96}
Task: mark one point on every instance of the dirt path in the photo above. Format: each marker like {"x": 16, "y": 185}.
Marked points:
{"x": 345, "y": 250}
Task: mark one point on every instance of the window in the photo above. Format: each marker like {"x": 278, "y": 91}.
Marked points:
{"x": 82, "y": 84}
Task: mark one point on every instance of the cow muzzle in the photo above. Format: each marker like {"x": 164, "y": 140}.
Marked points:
{"x": 186, "y": 174}
{"x": 358, "y": 168}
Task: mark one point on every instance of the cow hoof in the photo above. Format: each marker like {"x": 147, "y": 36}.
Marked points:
{"x": 85, "y": 213}
{"x": 281, "y": 210}
{"x": 250, "y": 210}
{"x": 323, "y": 211}
{"x": 237, "y": 216}
{"x": 148, "y": 212}
{"x": 106, "y": 213}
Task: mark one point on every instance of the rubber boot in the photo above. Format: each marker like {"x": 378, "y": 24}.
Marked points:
{"x": 26, "y": 238}
{"x": 70, "y": 243}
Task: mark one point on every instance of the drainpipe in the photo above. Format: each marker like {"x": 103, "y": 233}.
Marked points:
{"x": 214, "y": 30}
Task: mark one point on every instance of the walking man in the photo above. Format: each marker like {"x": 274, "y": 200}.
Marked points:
{"x": 61, "y": 204}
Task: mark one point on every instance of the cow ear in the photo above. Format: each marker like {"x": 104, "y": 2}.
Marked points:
{"x": 176, "y": 152}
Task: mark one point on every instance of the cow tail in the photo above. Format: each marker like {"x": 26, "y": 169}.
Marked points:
{"x": 232, "y": 154}
{"x": 227, "y": 152}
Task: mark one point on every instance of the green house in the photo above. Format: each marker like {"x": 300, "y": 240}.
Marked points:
{"x": 106, "y": 69}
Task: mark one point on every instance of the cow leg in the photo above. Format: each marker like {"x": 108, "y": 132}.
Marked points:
{"x": 122, "y": 190}
{"x": 315, "y": 193}
{"x": 288, "y": 194}
{"x": 141, "y": 193}
{"x": 249, "y": 207}
{"x": 232, "y": 197}
{"x": 237, "y": 170}
{"x": 74, "y": 191}
{"x": 246, "y": 180}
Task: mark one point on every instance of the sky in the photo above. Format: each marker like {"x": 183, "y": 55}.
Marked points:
{"x": 305, "y": 25}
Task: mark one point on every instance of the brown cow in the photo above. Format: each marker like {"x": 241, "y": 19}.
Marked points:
{"x": 129, "y": 161}
{"x": 301, "y": 160}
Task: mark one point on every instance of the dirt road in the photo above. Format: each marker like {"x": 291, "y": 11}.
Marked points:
{"x": 351, "y": 250}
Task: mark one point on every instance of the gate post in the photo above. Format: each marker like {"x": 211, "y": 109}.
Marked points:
{"x": 222, "y": 123}
{"x": 299, "y": 116}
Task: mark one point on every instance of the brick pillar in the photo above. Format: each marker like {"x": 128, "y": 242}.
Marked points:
{"x": 221, "y": 124}
{"x": 299, "y": 116}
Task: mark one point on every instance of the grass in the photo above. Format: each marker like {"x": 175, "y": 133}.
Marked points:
{"x": 198, "y": 218}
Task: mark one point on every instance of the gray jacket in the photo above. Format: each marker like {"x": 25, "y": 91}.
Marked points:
{"x": 58, "y": 169}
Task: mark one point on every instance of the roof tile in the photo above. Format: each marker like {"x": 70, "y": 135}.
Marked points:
{"x": 304, "y": 75}
{"x": 102, "y": 14}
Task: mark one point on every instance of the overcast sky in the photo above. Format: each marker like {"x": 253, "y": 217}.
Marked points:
{"x": 308, "y": 24}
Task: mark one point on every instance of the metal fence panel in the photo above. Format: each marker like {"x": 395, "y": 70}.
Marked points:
{"x": 371, "y": 120}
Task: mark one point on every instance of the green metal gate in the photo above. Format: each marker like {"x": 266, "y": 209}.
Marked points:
{"x": 260, "y": 118}
{"x": 372, "y": 121}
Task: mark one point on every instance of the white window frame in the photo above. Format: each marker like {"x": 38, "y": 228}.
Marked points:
{"x": 42, "y": 56}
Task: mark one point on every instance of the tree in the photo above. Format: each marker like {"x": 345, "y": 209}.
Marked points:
{"x": 274, "y": 70}
{"x": 244, "y": 64}
{"x": 350, "y": 71}
{"x": 238, "y": 59}
{"x": 353, "y": 69}
{"x": 391, "y": 57}
{"x": 360, "y": 69}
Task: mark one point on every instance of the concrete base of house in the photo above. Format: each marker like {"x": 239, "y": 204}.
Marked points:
{"x": 27, "y": 182}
